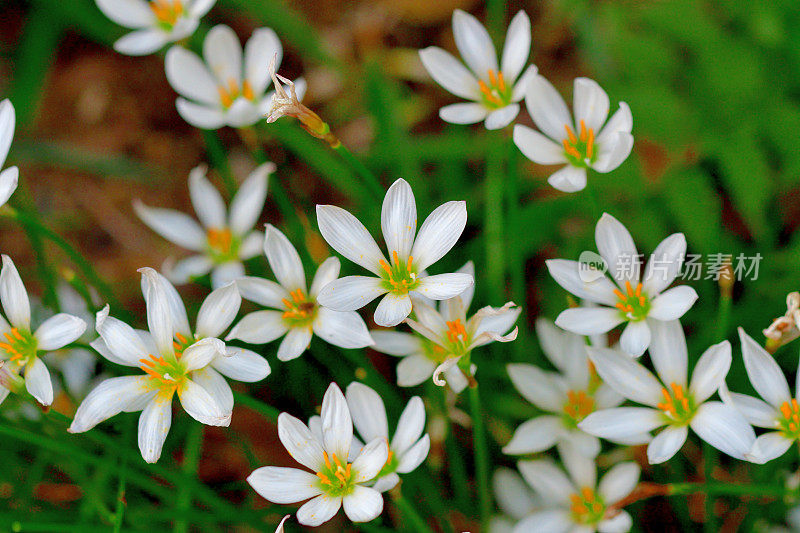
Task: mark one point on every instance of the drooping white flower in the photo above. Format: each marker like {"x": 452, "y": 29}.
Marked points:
{"x": 293, "y": 308}
{"x": 787, "y": 327}
{"x": 567, "y": 396}
{"x": 10, "y": 176}
{"x": 580, "y": 145}
{"x": 335, "y": 481}
{"x": 404, "y": 274}
{"x": 494, "y": 93}
{"x": 408, "y": 448}
{"x": 624, "y": 298}
{"x": 155, "y": 22}
{"x": 669, "y": 401}
{"x": 226, "y": 87}
{"x": 778, "y": 411}
{"x": 172, "y": 363}
{"x": 222, "y": 239}
{"x": 575, "y": 501}
{"x": 514, "y": 498}
{"x": 20, "y": 363}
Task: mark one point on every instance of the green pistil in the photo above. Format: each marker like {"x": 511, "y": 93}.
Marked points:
{"x": 400, "y": 277}
{"x": 634, "y": 304}
{"x": 678, "y": 406}
{"x": 496, "y": 94}
{"x": 580, "y": 150}
{"x": 336, "y": 477}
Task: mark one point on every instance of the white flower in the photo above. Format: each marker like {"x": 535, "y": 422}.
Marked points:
{"x": 404, "y": 274}
{"x": 226, "y": 87}
{"x": 624, "y": 298}
{"x": 582, "y": 144}
{"x": 785, "y": 328}
{"x": 173, "y": 360}
{"x": 670, "y": 402}
{"x": 9, "y": 176}
{"x": 293, "y": 308}
{"x": 567, "y": 397}
{"x": 19, "y": 351}
{"x": 279, "y": 529}
{"x": 514, "y": 497}
{"x": 493, "y": 92}
{"x": 778, "y": 411}
{"x": 336, "y": 481}
{"x": 222, "y": 240}
{"x": 408, "y": 446}
{"x": 155, "y": 22}
{"x": 574, "y": 501}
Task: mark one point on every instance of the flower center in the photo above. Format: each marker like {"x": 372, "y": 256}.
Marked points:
{"x": 587, "y": 506}
{"x": 433, "y": 351}
{"x": 580, "y": 149}
{"x": 790, "y": 424}
{"x": 336, "y": 478}
{"x": 457, "y": 335}
{"x": 167, "y": 375}
{"x": 634, "y": 305}
{"x": 227, "y": 95}
{"x": 167, "y": 12}
{"x": 400, "y": 277}
{"x": 677, "y": 405}
{"x": 299, "y": 310}
{"x": 20, "y": 347}
{"x": 496, "y": 93}
{"x": 579, "y": 405}
{"x": 223, "y": 246}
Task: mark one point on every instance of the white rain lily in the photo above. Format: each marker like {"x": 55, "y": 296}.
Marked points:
{"x": 223, "y": 239}
{"x": 294, "y": 312}
{"x": 335, "y": 481}
{"x": 641, "y": 301}
{"x": 172, "y": 363}
{"x": 21, "y": 346}
{"x": 226, "y": 87}
{"x": 408, "y": 448}
{"x": 10, "y": 176}
{"x": 494, "y": 93}
{"x": 786, "y": 328}
{"x": 566, "y": 397}
{"x": 404, "y": 274}
{"x": 573, "y": 501}
{"x": 778, "y": 411}
{"x": 669, "y": 401}
{"x": 155, "y": 22}
{"x": 514, "y": 498}
{"x": 580, "y": 145}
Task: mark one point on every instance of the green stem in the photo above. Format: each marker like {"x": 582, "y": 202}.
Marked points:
{"x": 710, "y": 457}
{"x": 723, "y": 317}
{"x": 418, "y": 524}
{"x": 728, "y": 489}
{"x": 216, "y": 153}
{"x": 261, "y": 408}
{"x": 594, "y": 200}
{"x": 493, "y": 218}
{"x": 481, "y": 457}
{"x": 369, "y": 179}
{"x": 119, "y": 512}
{"x": 191, "y": 458}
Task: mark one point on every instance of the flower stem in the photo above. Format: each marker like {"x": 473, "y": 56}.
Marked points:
{"x": 418, "y": 524}
{"x": 481, "y": 457}
{"x": 119, "y": 512}
{"x": 369, "y": 179}
{"x": 191, "y": 458}
{"x": 493, "y": 218}
{"x": 727, "y": 489}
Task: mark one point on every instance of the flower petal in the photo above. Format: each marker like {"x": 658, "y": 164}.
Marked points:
{"x": 206, "y": 199}
{"x": 439, "y": 233}
{"x": 622, "y": 422}
{"x": 664, "y": 264}
{"x": 350, "y": 293}
{"x": 242, "y": 365}
{"x": 284, "y": 485}
{"x": 769, "y": 446}
{"x": 368, "y": 412}
{"x": 58, "y": 331}
{"x": 14, "y": 297}
{"x": 409, "y": 427}
{"x": 591, "y": 104}
{"x": 202, "y": 406}
{"x": 203, "y": 116}
{"x": 616, "y": 245}
{"x": 188, "y": 269}
{"x": 399, "y": 218}
{"x": 159, "y": 311}
{"x": 262, "y": 291}
{"x": 370, "y": 460}
{"x": 9, "y": 178}
{"x": 568, "y": 179}
{"x": 284, "y": 260}
{"x": 764, "y": 373}
{"x": 500, "y": 118}
{"x": 127, "y": 13}
{"x": 414, "y": 456}
{"x": 337, "y": 426}
{"x": 226, "y": 273}
{"x": 724, "y": 428}
{"x": 589, "y": 320}
{"x": 363, "y": 504}
{"x": 247, "y": 204}
{"x": 444, "y": 286}
{"x": 294, "y": 343}
{"x": 345, "y": 329}
{"x": 549, "y": 481}
{"x": 666, "y": 444}
{"x": 619, "y": 482}
{"x": 8, "y": 121}
{"x": 38, "y": 383}
{"x": 668, "y": 352}
{"x": 514, "y": 497}
{"x": 450, "y": 73}
{"x": 109, "y": 398}
{"x": 474, "y": 44}
{"x": 613, "y": 153}
{"x": 413, "y": 370}
{"x": 140, "y": 42}
{"x": 395, "y": 342}
{"x": 327, "y": 272}
{"x": 120, "y": 339}
{"x": 300, "y": 442}
{"x": 710, "y": 371}
{"x": 189, "y": 76}
{"x": 262, "y": 46}
{"x": 755, "y": 410}
{"x": 463, "y": 113}
{"x": 673, "y": 303}
{"x": 538, "y": 148}
{"x": 348, "y": 236}
{"x": 173, "y": 225}
{"x": 201, "y": 353}
{"x": 154, "y": 424}
{"x": 635, "y": 338}
{"x": 223, "y": 55}
{"x": 537, "y": 386}
{"x": 619, "y": 523}
{"x": 392, "y": 309}
{"x": 319, "y": 510}
{"x": 568, "y": 274}
{"x": 535, "y": 435}
{"x": 259, "y": 327}
{"x": 219, "y": 309}
{"x": 517, "y": 46}
{"x": 216, "y": 386}
{"x": 626, "y": 376}
{"x": 548, "y": 521}
{"x": 547, "y": 108}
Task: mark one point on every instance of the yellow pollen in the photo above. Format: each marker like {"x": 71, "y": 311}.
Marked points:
{"x": 247, "y": 91}
{"x": 582, "y": 145}
{"x": 570, "y": 134}
{"x": 166, "y": 11}
{"x": 579, "y": 404}
{"x": 456, "y": 331}
{"x": 327, "y": 461}
{"x": 590, "y": 144}
{"x": 571, "y": 150}
{"x": 220, "y": 240}
{"x": 298, "y": 307}
{"x": 384, "y": 265}
{"x": 224, "y": 97}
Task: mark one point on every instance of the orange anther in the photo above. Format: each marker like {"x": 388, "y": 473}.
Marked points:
{"x": 571, "y": 134}
{"x": 571, "y": 150}
{"x": 584, "y": 134}
{"x": 385, "y": 266}
{"x": 247, "y": 90}
{"x": 327, "y": 461}
{"x": 628, "y": 288}
{"x": 501, "y": 83}
{"x": 620, "y": 294}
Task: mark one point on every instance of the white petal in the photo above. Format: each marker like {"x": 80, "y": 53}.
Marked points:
{"x": 547, "y": 480}
{"x": 247, "y": 204}
{"x": 613, "y": 153}
{"x": 252, "y": 245}
{"x": 622, "y": 422}
{"x": 499, "y": 323}
{"x": 187, "y": 269}
{"x": 724, "y": 428}
{"x": 140, "y": 42}
{"x": 668, "y": 351}
{"x": 444, "y": 286}
{"x": 318, "y": 510}
{"x": 201, "y": 353}
{"x": 537, "y": 147}
{"x": 337, "y": 426}
{"x": 439, "y": 233}
{"x": 769, "y": 446}
{"x": 548, "y": 521}
{"x": 558, "y": 345}
{"x": 189, "y": 76}
{"x": 673, "y": 303}
{"x": 448, "y": 72}
{"x": 300, "y": 442}
{"x": 173, "y": 225}
{"x": 154, "y": 424}
{"x": 500, "y": 118}
{"x": 568, "y": 179}
{"x": 666, "y": 444}
{"x": 616, "y": 245}
{"x": 120, "y": 338}
{"x": 350, "y": 293}
{"x": 474, "y": 44}
{"x": 345, "y": 329}
{"x": 14, "y": 296}
{"x": 635, "y": 338}
{"x": 226, "y": 273}
{"x": 535, "y": 435}
{"x": 177, "y": 310}
{"x": 409, "y": 427}
{"x": 284, "y": 260}
{"x": 414, "y": 456}
{"x": 259, "y": 327}
{"x": 514, "y": 497}
{"x": 619, "y": 523}
{"x": 463, "y": 113}
{"x": 262, "y": 46}
{"x": 591, "y": 104}
{"x": 537, "y": 386}
{"x": 363, "y": 504}
{"x": 413, "y": 370}
{"x": 203, "y": 116}
{"x": 294, "y": 343}
{"x": 109, "y": 398}
{"x": 7, "y": 124}
{"x": 223, "y": 55}
{"x": 626, "y": 376}
{"x": 206, "y": 200}
{"x": 764, "y": 373}
{"x": 370, "y": 460}
{"x": 517, "y": 46}
{"x": 395, "y": 342}
{"x": 399, "y": 218}
{"x": 201, "y": 405}
{"x": 710, "y": 371}
{"x": 595, "y": 289}
{"x": 547, "y": 108}
{"x": 327, "y": 272}
{"x": 368, "y": 412}
{"x": 262, "y": 291}
{"x": 619, "y": 482}
{"x": 159, "y": 312}
{"x": 216, "y": 386}
{"x": 38, "y": 383}
{"x": 758, "y": 412}
{"x": 620, "y": 121}
{"x": 128, "y": 13}
{"x": 284, "y": 485}
{"x": 581, "y": 468}
{"x": 242, "y": 365}
{"x": 348, "y": 236}
{"x": 386, "y": 483}
{"x": 218, "y": 311}
{"x": 58, "y": 331}
{"x": 8, "y": 183}
{"x": 664, "y": 264}
{"x": 589, "y": 320}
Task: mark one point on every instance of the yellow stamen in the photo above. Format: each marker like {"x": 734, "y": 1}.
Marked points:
{"x": 584, "y": 133}
{"x": 571, "y": 150}
{"x": 571, "y": 135}
{"x": 247, "y": 91}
